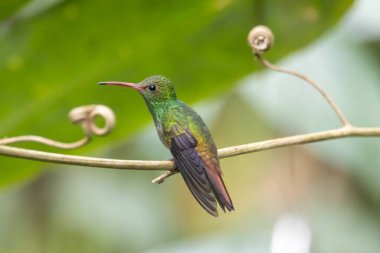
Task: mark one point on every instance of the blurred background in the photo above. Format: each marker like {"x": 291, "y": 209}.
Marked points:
{"x": 322, "y": 197}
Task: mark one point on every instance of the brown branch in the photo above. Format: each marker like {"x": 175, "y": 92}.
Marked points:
{"x": 46, "y": 141}
{"x": 348, "y": 131}
{"x": 85, "y": 117}
{"x": 324, "y": 94}
{"x": 85, "y": 161}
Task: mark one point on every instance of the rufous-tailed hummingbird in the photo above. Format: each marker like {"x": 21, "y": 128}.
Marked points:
{"x": 185, "y": 134}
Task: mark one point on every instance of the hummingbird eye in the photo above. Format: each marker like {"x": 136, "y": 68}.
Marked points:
{"x": 152, "y": 87}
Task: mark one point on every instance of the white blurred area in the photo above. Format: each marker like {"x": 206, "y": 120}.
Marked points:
{"x": 291, "y": 234}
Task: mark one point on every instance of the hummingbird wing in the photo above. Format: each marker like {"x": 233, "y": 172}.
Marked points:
{"x": 189, "y": 162}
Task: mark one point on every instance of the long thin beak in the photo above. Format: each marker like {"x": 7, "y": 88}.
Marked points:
{"x": 132, "y": 85}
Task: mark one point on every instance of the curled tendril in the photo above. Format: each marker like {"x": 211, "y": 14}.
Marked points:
{"x": 84, "y": 116}
{"x": 260, "y": 38}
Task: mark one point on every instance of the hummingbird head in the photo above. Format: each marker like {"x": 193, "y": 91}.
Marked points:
{"x": 154, "y": 89}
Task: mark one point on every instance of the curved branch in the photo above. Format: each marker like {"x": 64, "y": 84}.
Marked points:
{"x": 46, "y": 141}
{"x": 85, "y": 161}
{"x": 169, "y": 165}
{"x": 261, "y": 39}
{"x": 342, "y": 118}
{"x": 82, "y": 115}
{"x": 348, "y": 131}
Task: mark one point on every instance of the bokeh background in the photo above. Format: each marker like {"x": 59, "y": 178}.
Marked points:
{"x": 322, "y": 197}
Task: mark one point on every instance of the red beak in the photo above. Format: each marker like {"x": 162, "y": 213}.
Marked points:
{"x": 132, "y": 85}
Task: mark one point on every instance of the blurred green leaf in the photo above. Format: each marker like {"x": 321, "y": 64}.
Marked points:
{"x": 9, "y": 7}
{"x": 51, "y": 62}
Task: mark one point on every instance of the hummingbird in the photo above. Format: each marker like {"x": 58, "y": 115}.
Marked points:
{"x": 189, "y": 140}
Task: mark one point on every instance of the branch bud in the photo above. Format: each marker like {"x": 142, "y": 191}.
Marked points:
{"x": 260, "y": 38}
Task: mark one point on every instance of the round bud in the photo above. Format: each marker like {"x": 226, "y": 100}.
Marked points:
{"x": 260, "y": 38}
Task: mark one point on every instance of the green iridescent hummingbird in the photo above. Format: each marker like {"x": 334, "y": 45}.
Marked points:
{"x": 185, "y": 134}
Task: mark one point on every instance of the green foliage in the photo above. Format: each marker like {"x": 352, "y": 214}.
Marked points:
{"x": 51, "y": 61}
{"x": 9, "y": 7}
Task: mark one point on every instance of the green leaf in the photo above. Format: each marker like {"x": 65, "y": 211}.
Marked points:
{"x": 51, "y": 62}
{"x": 9, "y": 7}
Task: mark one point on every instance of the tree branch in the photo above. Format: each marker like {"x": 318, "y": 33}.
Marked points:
{"x": 85, "y": 161}
{"x": 348, "y": 131}
{"x": 169, "y": 165}
{"x": 324, "y": 94}
{"x": 261, "y": 39}
{"x": 83, "y": 116}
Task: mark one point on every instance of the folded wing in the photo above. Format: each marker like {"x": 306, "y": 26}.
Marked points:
{"x": 201, "y": 177}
